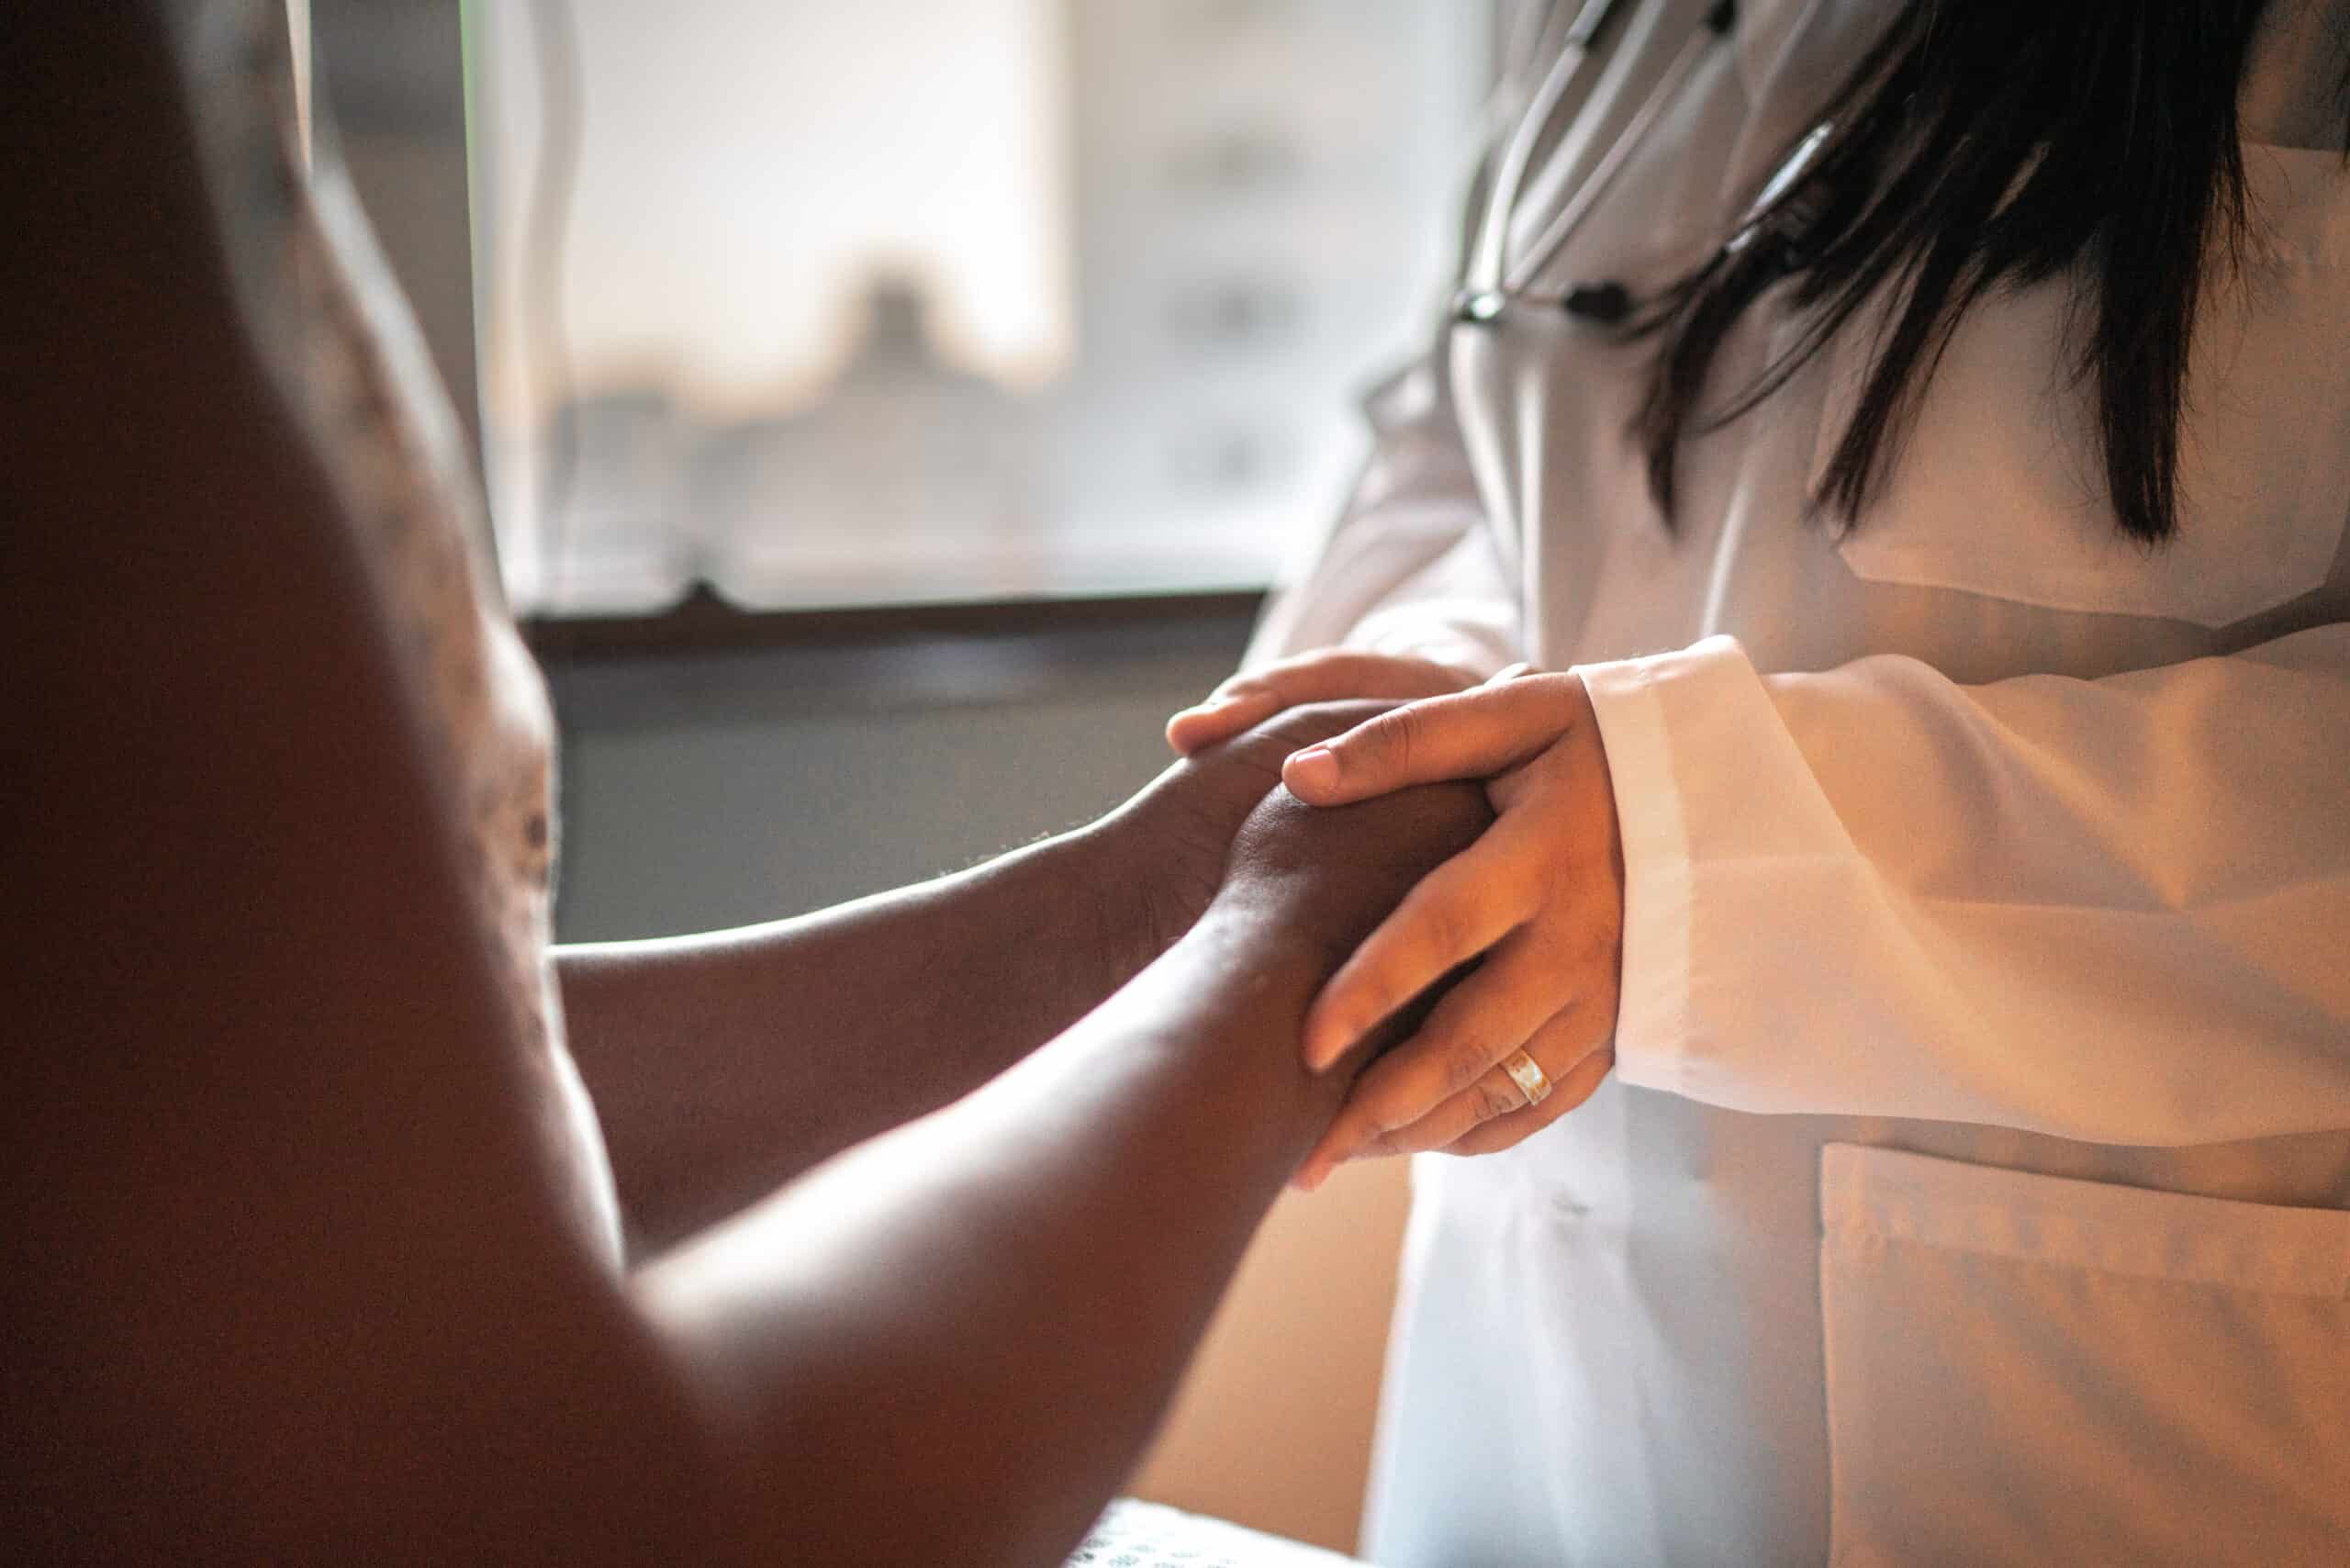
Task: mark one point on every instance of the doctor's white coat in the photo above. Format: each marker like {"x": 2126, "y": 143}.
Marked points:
{"x": 1972, "y": 1183}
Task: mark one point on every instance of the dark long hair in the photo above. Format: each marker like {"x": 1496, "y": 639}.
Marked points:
{"x": 1984, "y": 143}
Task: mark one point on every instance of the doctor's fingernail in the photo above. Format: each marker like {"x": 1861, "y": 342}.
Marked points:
{"x": 1325, "y": 1041}
{"x": 1316, "y": 767}
{"x": 1204, "y": 716}
{"x": 1223, "y": 703}
{"x": 1335, "y": 1041}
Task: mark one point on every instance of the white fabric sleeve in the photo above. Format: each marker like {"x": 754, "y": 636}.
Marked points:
{"x": 2117, "y": 910}
{"x": 1410, "y": 567}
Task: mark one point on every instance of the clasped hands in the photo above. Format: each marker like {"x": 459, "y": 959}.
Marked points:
{"x": 1536, "y": 903}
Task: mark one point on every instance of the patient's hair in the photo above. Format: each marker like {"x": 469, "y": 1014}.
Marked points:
{"x": 1983, "y": 144}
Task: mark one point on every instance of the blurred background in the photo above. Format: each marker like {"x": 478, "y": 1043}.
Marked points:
{"x": 923, "y": 299}
{"x": 889, "y": 414}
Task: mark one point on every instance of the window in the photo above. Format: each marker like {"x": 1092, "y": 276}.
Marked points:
{"x": 941, "y": 299}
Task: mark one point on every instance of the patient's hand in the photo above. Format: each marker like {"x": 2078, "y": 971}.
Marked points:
{"x": 1171, "y": 843}
{"x": 1317, "y": 881}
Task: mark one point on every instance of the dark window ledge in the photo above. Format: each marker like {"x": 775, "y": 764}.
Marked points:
{"x": 705, "y": 623}
{"x": 706, "y": 659}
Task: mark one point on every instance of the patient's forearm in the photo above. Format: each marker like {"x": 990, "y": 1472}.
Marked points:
{"x": 722, "y": 1065}
{"x": 966, "y": 1331}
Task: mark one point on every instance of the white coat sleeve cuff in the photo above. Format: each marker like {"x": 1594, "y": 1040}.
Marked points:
{"x": 1650, "y": 711}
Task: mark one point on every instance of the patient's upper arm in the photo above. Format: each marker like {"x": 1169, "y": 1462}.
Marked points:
{"x": 286, "y": 1272}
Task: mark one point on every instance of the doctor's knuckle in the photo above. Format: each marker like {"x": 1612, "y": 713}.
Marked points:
{"x": 1389, "y": 742}
{"x": 1447, "y": 931}
{"x": 1547, "y": 943}
{"x": 1462, "y": 1062}
{"x": 1585, "y": 942}
{"x": 1492, "y": 1097}
{"x": 1389, "y": 1111}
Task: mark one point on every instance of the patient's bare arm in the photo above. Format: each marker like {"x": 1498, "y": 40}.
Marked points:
{"x": 298, "y": 1281}
{"x": 292, "y": 1273}
{"x": 964, "y": 1331}
{"x": 724, "y": 1064}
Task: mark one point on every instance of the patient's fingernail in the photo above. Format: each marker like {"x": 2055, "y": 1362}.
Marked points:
{"x": 1316, "y": 767}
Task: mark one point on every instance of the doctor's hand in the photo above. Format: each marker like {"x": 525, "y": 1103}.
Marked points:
{"x": 1323, "y": 676}
{"x": 1537, "y": 901}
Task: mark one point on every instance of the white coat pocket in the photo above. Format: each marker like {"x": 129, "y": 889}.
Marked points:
{"x": 1998, "y": 487}
{"x": 2026, "y": 1369}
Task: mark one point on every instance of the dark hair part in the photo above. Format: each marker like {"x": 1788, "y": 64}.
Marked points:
{"x": 1979, "y": 144}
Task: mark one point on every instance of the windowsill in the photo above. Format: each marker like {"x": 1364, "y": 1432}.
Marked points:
{"x": 707, "y": 661}
{"x": 705, "y": 623}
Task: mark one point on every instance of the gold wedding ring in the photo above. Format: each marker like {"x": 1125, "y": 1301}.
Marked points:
{"x": 1527, "y": 1074}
